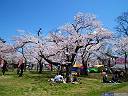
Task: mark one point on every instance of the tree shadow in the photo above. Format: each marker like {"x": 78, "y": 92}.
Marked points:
{"x": 40, "y": 77}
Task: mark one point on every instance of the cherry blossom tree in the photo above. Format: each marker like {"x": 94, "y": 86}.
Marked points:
{"x": 29, "y": 46}
{"x": 5, "y": 49}
{"x": 62, "y": 46}
{"x": 31, "y": 53}
{"x": 23, "y": 40}
{"x": 121, "y": 47}
{"x": 121, "y": 42}
{"x": 94, "y": 45}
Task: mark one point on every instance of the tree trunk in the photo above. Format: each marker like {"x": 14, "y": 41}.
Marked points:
{"x": 125, "y": 62}
{"x": 109, "y": 61}
{"x": 25, "y": 64}
{"x": 37, "y": 67}
{"x": 40, "y": 67}
{"x": 115, "y": 60}
{"x": 68, "y": 73}
{"x": 85, "y": 67}
{"x": 51, "y": 67}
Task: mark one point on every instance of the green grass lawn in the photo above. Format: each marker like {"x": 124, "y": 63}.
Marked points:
{"x": 34, "y": 84}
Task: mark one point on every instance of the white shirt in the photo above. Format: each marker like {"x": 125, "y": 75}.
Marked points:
{"x": 58, "y": 78}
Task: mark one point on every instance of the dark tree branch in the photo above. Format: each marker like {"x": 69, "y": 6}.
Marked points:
{"x": 49, "y": 61}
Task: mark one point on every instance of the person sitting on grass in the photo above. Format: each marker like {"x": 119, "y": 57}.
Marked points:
{"x": 115, "y": 77}
{"x": 75, "y": 78}
{"x": 57, "y": 79}
{"x": 105, "y": 77}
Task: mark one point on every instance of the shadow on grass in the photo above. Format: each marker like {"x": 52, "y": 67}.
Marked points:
{"x": 39, "y": 77}
{"x": 8, "y": 73}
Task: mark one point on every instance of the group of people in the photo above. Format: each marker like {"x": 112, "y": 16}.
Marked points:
{"x": 20, "y": 67}
{"x": 114, "y": 79}
{"x": 60, "y": 79}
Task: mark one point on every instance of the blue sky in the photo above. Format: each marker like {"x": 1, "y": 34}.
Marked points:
{"x": 30, "y": 15}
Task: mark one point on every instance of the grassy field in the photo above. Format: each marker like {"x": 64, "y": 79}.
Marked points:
{"x": 33, "y": 84}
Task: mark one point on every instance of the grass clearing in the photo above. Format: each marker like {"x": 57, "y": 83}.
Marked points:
{"x": 34, "y": 84}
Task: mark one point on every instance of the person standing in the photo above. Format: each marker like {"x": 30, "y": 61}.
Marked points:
{"x": 20, "y": 69}
{"x": 4, "y": 66}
